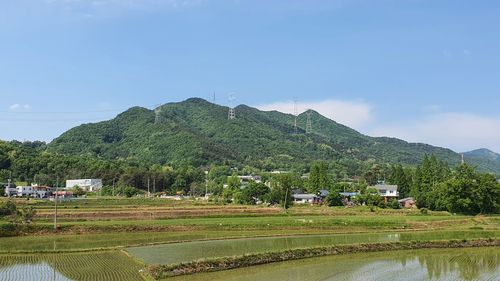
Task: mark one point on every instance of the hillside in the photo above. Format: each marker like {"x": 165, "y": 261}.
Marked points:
{"x": 483, "y": 158}
{"x": 198, "y": 132}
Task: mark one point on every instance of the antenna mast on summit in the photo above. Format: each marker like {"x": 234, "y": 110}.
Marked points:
{"x": 232, "y": 112}
{"x": 158, "y": 114}
{"x": 309, "y": 122}
{"x": 295, "y": 114}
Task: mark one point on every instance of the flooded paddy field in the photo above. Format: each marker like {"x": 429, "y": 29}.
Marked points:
{"x": 478, "y": 264}
{"x": 113, "y": 266}
{"x": 190, "y": 251}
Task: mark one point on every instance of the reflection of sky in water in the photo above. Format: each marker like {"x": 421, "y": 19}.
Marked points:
{"x": 482, "y": 264}
{"x": 31, "y": 272}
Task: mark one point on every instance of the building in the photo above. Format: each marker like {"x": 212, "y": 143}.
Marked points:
{"x": 407, "y": 203}
{"x": 43, "y": 191}
{"x": 10, "y": 190}
{"x": 388, "y": 192}
{"x": 27, "y": 191}
{"x": 304, "y": 198}
{"x": 89, "y": 185}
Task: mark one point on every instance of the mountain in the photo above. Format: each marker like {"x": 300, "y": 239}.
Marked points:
{"x": 483, "y": 158}
{"x": 198, "y": 132}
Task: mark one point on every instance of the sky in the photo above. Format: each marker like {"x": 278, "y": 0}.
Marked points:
{"x": 420, "y": 70}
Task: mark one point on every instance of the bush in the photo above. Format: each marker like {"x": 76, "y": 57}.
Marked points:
{"x": 130, "y": 191}
{"x": 424, "y": 211}
{"x": 7, "y": 208}
{"x": 334, "y": 199}
{"x": 394, "y": 204}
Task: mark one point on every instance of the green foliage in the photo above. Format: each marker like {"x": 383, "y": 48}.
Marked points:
{"x": 233, "y": 182}
{"x": 371, "y": 198}
{"x": 319, "y": 177}
{"x": 253, "y": 193}
{"x": 7, "y": 208}
{"x": 394, "y": 204}
{"x": 130, "y": 191}
{"x": 468, "y": 192}
{"x": 196, "y": 132}
{"x": 334, "y": 199}
{"x": 78, "y": 191}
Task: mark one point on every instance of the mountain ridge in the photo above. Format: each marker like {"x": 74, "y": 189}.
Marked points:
{"x": 198, "y": 132}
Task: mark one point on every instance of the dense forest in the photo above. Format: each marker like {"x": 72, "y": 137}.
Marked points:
{"x": 433, "y": 183}
{"x": 198, "y": 133}
{"x": 191, "y": 147}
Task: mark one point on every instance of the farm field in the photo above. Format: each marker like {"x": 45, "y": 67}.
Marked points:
{"x": 70, "y": 266}
{"x": 142, "y": 232}
{"x": 478, "y": 264}
{"x": 176, "y": 253}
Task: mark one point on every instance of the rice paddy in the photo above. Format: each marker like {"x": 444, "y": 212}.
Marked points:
{"x": 478, "y": 264}
{"x": 70, "y": 266}
{"x": 191, "y": 251}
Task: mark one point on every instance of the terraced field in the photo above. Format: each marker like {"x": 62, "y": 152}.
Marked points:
{"x": 478, "y": 264}
{"x": 113, "y": 266}
{"x": 186, "y": 252}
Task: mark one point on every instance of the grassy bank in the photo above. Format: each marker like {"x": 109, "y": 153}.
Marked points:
{"x": 159, "y": 272}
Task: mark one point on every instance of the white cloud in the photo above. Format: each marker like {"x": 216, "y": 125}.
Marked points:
{"x": 356, "y": 114}
{"x": 458, "y": 131}
{"x": 20, "y": 107}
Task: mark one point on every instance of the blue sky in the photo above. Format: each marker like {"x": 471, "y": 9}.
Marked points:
{"x": 421, "y": 70}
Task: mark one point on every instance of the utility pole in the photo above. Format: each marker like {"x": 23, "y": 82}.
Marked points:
{"x": 206, "y": 185}
{"x": 154, "y": 186}
{"x": 149, "y": 194}
{"x": 55, "y": 204}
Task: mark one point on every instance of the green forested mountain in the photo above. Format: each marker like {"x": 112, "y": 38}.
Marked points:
{"x": 199, "y": 133}
{"x": 483, "y": 158}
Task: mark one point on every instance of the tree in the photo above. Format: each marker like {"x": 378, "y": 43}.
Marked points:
{"x": 334, "y": 199}
{"x": 130, "y": 191}
{"x": 78, "y": 191}
{"x": 254, "y": 192}
{"x": 233, "y": 182}
{"x": 319, "y": 178}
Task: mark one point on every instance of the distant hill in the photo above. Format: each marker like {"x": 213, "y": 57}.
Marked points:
{"x": 483, "y": 158}
{"x": 198, "y": 132}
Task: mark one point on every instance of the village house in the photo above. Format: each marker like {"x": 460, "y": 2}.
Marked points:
{"x": 10, "y": 190}
{"x": 89, "y": 185}
{"x": 306, "y": 198}
{"x": 386, "y": 191}
{"x": 26, "y": 191}
{"x": 407, "y": 203}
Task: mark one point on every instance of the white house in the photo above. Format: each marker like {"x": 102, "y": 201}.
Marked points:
{"x": 388, "y": 192}
{"x": 86, "y": 184}
{"x": 10, "y": 190}
{"x": 43, "y": 191}
{"x": 306, "y": 198}
{"x": 25, "y": 191}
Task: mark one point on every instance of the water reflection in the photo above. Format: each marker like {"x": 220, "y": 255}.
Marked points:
{"x": 31, "y": 272}
{"x": 421, "y": 265}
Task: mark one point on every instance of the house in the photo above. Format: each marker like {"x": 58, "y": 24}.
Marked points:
{"x": 27, "y": 191}
{"x": 388, "y": 192}
{"x": 407, "y": 203}
{"x": 89, "y": 185}
{"x": 63, "y": 194}
{"x": 323, "y": 193}
{"x": 247, "y": 179}
{"x": 304, "y": 198}
{"x": 10, "y": 190}
{"x": 43, "y": 191}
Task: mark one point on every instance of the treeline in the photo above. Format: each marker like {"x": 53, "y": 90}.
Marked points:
{"x": 433, "y": 184}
